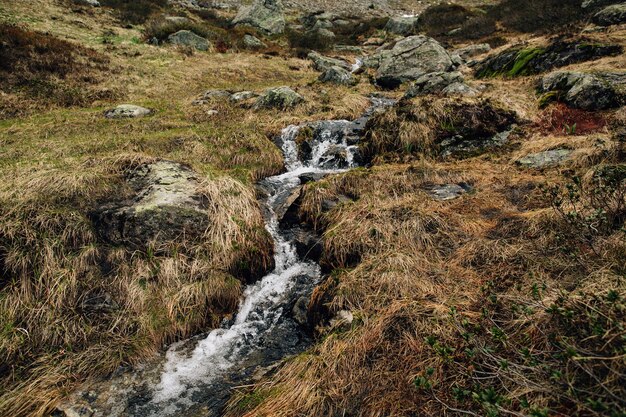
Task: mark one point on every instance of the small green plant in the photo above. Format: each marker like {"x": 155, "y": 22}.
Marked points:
{"x": 570, "y": 129}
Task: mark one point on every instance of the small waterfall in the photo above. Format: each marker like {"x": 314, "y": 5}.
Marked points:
{"x": 197, "y": 374}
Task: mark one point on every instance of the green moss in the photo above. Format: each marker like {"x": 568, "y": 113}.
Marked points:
{"x": 255, "y": 398}
{"x": 524, "y": 57}
{"x": 548, "y": 98}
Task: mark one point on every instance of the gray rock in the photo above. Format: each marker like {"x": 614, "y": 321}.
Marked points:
{"x": 216, "y": 94}
{"x": 459, "y": 89}
{"x": 587, "y": 91}
{"x": 472, "y": 51}
{"x": 92, "y": 3}
{"x": 447, "y": 192}
{"x": 459, "y": 146}
{"x": 434, "y": 83}
{"x": 323, "y": 63}
{"x": 335, "y": 157}
{"x": 243, "y": 96}
{"x": 611, "y": 15}
{"x": 411, "y": 58}
{"x": 252, "y": 42}
{"x": 402, "y": 25}
{"x": 337, "y": 75}
{"x": 300, "y": 310}
{"x": 188, "y": 38}
{"x": 127, "y": 111}
{"x": 168, "y": 205}
{"x": 265, "y": 15}
{"x": 280, "y": 97}
{"x": 545, "y": 159}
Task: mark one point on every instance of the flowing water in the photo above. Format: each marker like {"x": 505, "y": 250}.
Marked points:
{"x": 197, "y": 375}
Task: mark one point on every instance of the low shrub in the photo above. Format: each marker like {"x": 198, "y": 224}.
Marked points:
{"x": 135, "y": 11}
{"x": 48, "y": 69}
{"x": 537, "y": 15}
{"x": 560, "y": 118}
{"x": 309, "y": 40}
{"x": 440, "y": 19}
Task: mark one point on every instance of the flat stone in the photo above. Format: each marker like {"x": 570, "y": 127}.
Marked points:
{"x": 545, "y": 159}
{"x": 127, "y": 111}
{"x": 447, "y": 192}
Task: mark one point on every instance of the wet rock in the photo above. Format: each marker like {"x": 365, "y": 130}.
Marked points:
{"x": 411, "y": 58}
{"x": 167, "y": 207}
{"x": 545, "y": 159}
{"x": 299, "y": 311}
{"x": 243, "y": 96}
{"x": 611, "y": 15}
{"x": 124, "y": 111}
{"x": 337, "y": 75}
{"x": 278, "y": 98}
{"x": 323, "y": 63}
{"x": 447, "y": 192}
{"x": 440, "y": 83}
{"x": 266, "y": 15}
{"x": 308, "y": 244}
{"x": 188, "y": 38}
{"x": 402, "y": 25}
{"x": 252, "y": 42}
{"x": 587, "y": 91}
{"x": 335, "y": 157}
{"x": 519, "y": 60}
{"x": 473, "y": 50}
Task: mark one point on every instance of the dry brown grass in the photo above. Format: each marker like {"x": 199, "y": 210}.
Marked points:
{"x": 486, "y": 305}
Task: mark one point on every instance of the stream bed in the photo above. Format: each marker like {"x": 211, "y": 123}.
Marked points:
{"x": 196, "y": 376}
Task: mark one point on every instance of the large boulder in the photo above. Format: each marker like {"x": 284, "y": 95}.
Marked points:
{"x": 126, "y": 111}
{"x": 266, "y": 15}
{"x": 280, "y": 98}
{"x": 402, "y": 25}
{"x": 337, "y": 75}
{"x": 525, "y": 60}
{"x": 323, "y": 63}
{"x": 188, "y": 38}
{"x": 167, "y": 206}
{"x": 587, "y": 91}
{"x": 411, "y": 58}
{"x": 611, "y": 15}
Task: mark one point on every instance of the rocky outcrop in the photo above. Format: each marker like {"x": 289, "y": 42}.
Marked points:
{"x": 337, "y": 75}
{"x": 545, "y": 159}
{"x": 167, "y": 207}
{"x": 278, "y": 98}
{"x": 402, "y": 25}
{"x": 611, "y": 15}
{"x": 323, "y": 63}
{"x": 518, "y": 60}
{"x": 266, "y": 15}
{"x": 409, "y": 59}
{"x": 125, "y": 111}
{"x": 587, "y": 91}
{"x": 445, "y": 83}
{"x": 190, "y": 39}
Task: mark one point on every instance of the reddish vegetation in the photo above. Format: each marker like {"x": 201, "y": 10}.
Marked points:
{"x": 559, "y": 118}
